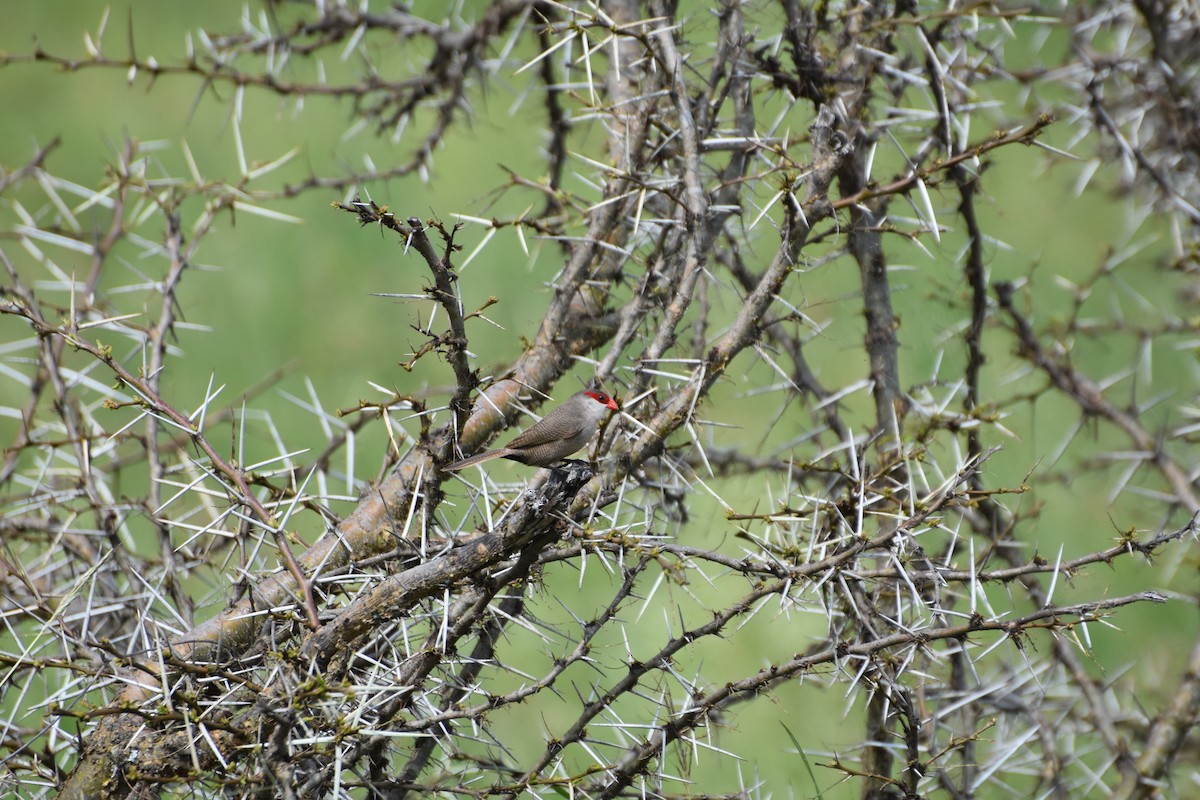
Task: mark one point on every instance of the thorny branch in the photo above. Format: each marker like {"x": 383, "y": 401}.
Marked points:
{"x": 797, "y": 451}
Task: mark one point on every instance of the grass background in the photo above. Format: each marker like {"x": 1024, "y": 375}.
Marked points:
{"x": 300, "y": 297}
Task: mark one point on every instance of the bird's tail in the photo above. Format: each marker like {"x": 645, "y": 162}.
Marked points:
{"x": 478, "y": 458}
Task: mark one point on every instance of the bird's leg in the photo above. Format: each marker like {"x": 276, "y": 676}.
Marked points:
{"x": 562, "y": 468}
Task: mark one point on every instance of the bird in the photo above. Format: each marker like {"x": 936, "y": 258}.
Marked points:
{"x": 559, "y": 434}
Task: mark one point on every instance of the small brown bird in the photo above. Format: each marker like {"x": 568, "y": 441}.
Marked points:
{"x": 560, "y": 433}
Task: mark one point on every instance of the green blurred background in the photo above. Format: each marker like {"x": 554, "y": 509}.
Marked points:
{"x": 300, "y": 296}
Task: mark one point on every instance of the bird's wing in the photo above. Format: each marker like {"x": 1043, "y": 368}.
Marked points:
{"x": 543, "y": 434}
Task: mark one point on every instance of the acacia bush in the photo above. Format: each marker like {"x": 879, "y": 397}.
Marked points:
{"x": 881, "y": 494}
